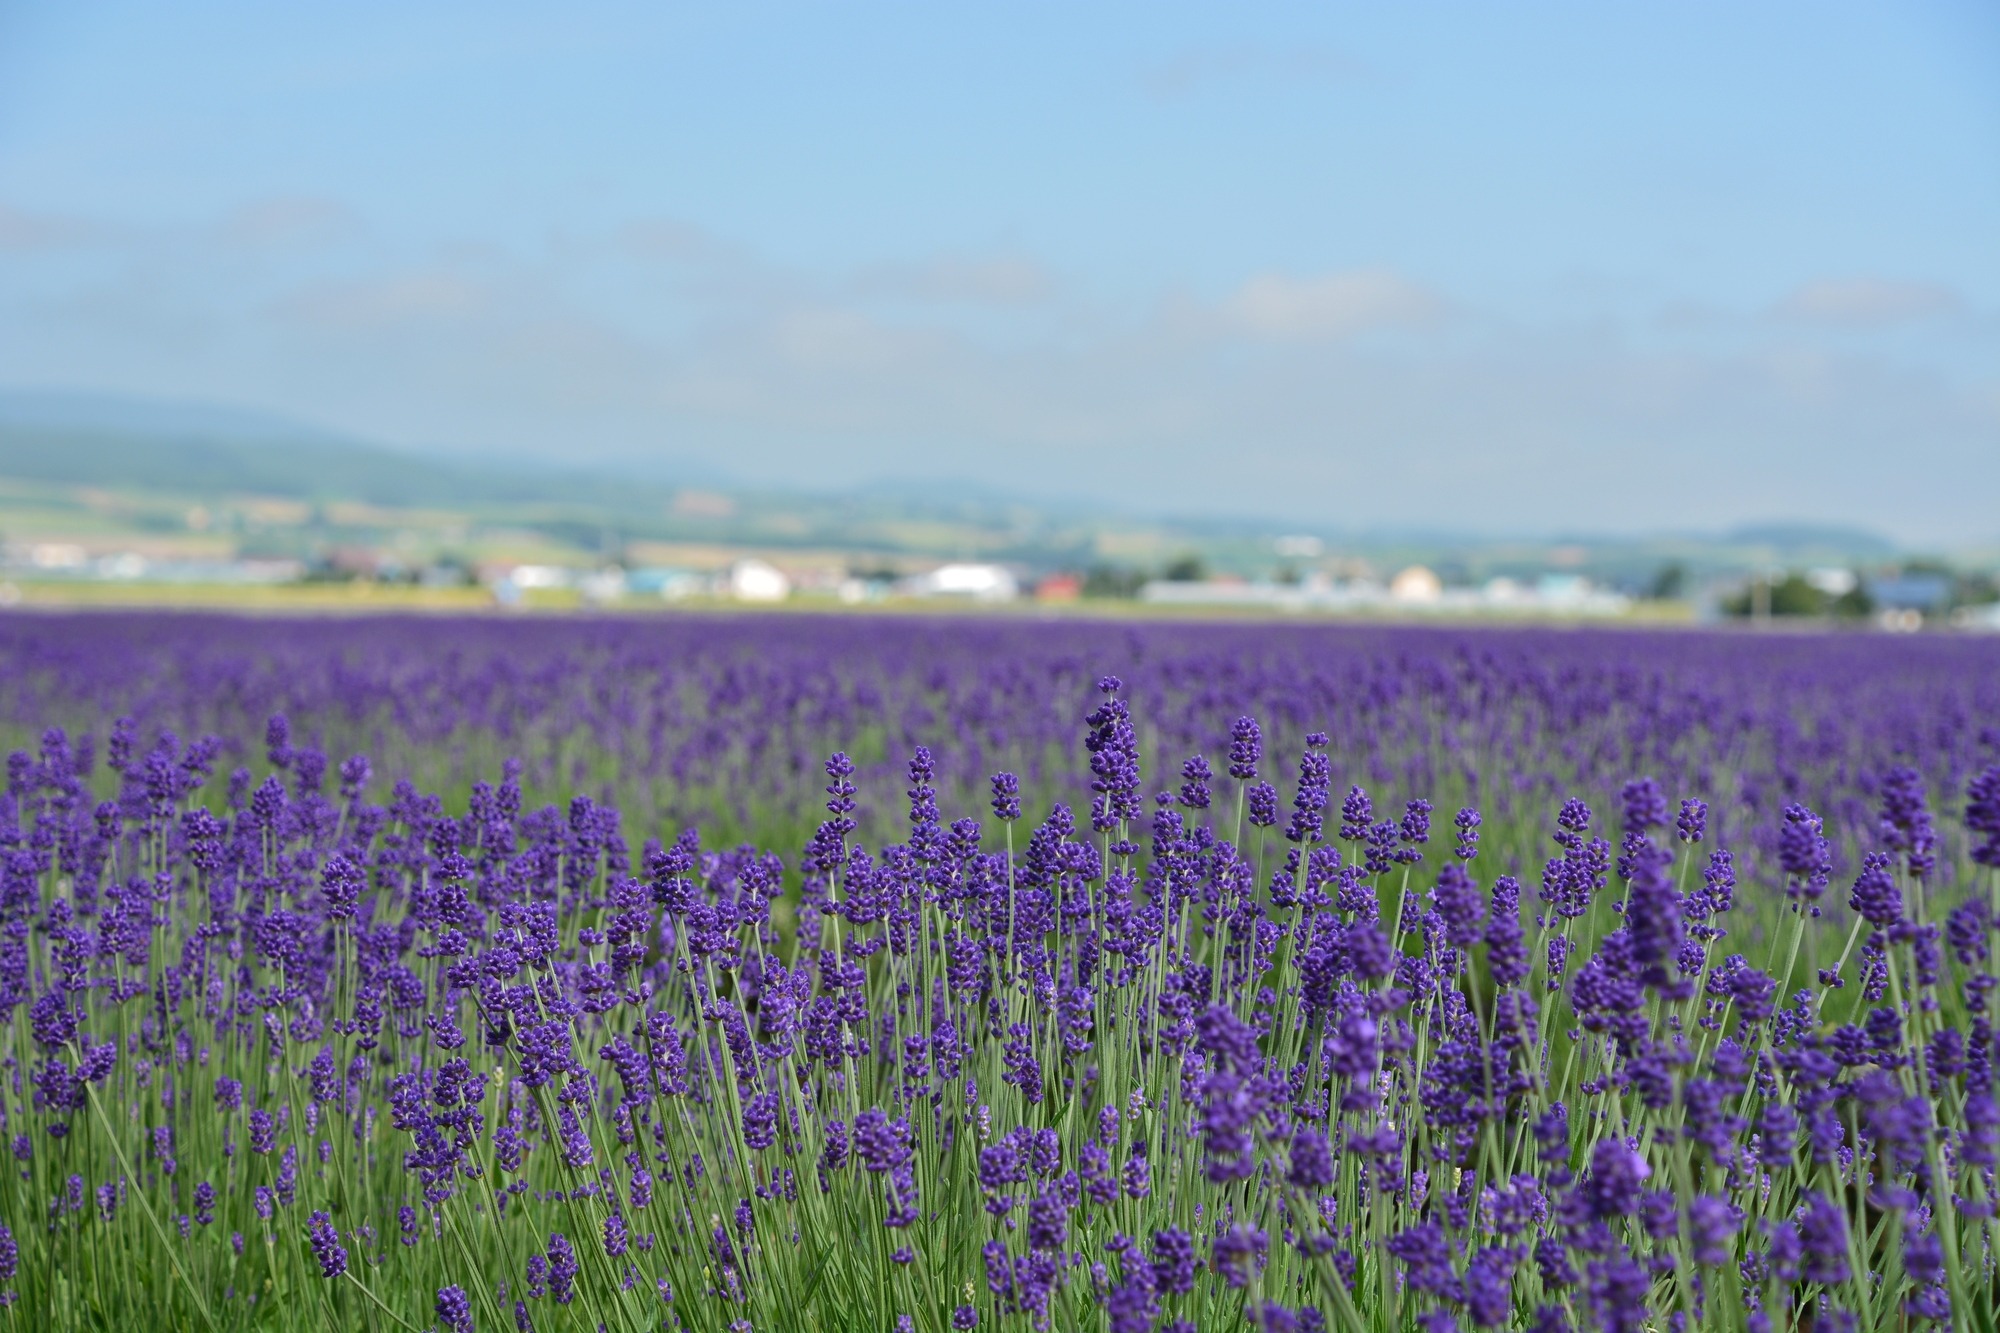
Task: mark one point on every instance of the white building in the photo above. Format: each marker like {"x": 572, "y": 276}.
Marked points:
{"x": 1983, "y": 619}
{"x": 541, "y": 576}
{"x": 601, "y": 587}
{"x": 1417, "y": 585}
{"x": 755, "y": 581}
{"x": 979, "y": 583}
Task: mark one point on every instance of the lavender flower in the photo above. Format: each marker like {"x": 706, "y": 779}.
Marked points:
{"x": 1458, "y": 903}
{"x": 1805, "y": 855}
{"x": 326, "y": 1245}
{"x": 1173, "y": 1261}
{"x": 1246, "y": 747}
{"x": 1982, "y": 815}
{"x": 1312, "y": 1161}
{"x": 454, "y": 1309}
{"x": 1006, "y": 796}
{"x": 562, "y": 1269}
{"x": 1195, "y": 779}
{"x": 1467, "y": 824}
{"x": 1356, "y": 813}
{"x": 1875, "y": 896}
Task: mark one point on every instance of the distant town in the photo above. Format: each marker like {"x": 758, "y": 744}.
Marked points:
{"x": 97, "y": 512}
{"x": 1303, "y": 580}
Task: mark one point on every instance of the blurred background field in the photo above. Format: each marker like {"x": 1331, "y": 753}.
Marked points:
{"x": 145, "y": 507}
{"x": 1560, "y": 314}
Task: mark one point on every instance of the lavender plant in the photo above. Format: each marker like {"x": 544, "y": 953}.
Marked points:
{"x": 1249, "y": 1044}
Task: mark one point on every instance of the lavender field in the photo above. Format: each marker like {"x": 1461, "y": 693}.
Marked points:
{"x": 797, "y": 972}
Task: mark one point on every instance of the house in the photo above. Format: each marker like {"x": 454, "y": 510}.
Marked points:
{"x": 753, "y": 580}
{"x": 978, "y": 583}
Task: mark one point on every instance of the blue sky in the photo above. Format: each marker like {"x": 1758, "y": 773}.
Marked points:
{"x": 1514, "y": 267}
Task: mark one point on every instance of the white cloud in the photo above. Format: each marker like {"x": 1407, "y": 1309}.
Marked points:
{"x": 38, "y": 231}
{"x": 1200, "y": 67}
{"x": 1333, "y": 306}
{"x": 372, "y": 304}
{"x": 667, "y": 341}
{"x": 837, "y": 341}
{"x": 672, "y": 240}
{"x": 994, "y": 280}
{"x": 290, "y": 220}
{"x": 1868, "y": 302}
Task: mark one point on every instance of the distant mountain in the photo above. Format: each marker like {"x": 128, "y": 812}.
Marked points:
{"x": 197, "y": 453}
{"x": 1806, "y": 538}
{"x": 199, "y": 450}
{"x": 190, "y": 449}
{"x": 112, "y": 414}
{"x": 316, "y": 470}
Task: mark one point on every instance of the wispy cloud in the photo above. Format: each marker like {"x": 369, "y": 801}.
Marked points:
{"x": 391, "y": 301}
{"x": 1868, "y": 302}
{"x": 290, "y": 220}
{"x": 1334, "y": 305}
{"x": 1193, "y": 70}
{"x": 41, "y": 231}
{"x": 633, "y": 344}
{"x": 672, "y": 240}
{"x": 991, "y": 280}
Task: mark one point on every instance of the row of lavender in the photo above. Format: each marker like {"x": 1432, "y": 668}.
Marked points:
{"x": 1230, "y": 1044}
{"x": 724, "y": 721}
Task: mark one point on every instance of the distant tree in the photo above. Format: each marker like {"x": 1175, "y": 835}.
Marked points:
{"x": 454, "y": 569}
{"x": 1669, "y": 583}
{"x": 325, "y": 571}
{"x": 1793, "y": 595}
{"x": 1112, "y": 581}
{"x": 1788, "y": 596}
{"x": 1978, "y": 589}
{"x": 1853, "y": 604}
{"x": 1968, "y": 587}
{"x": 1185, "y": 569}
